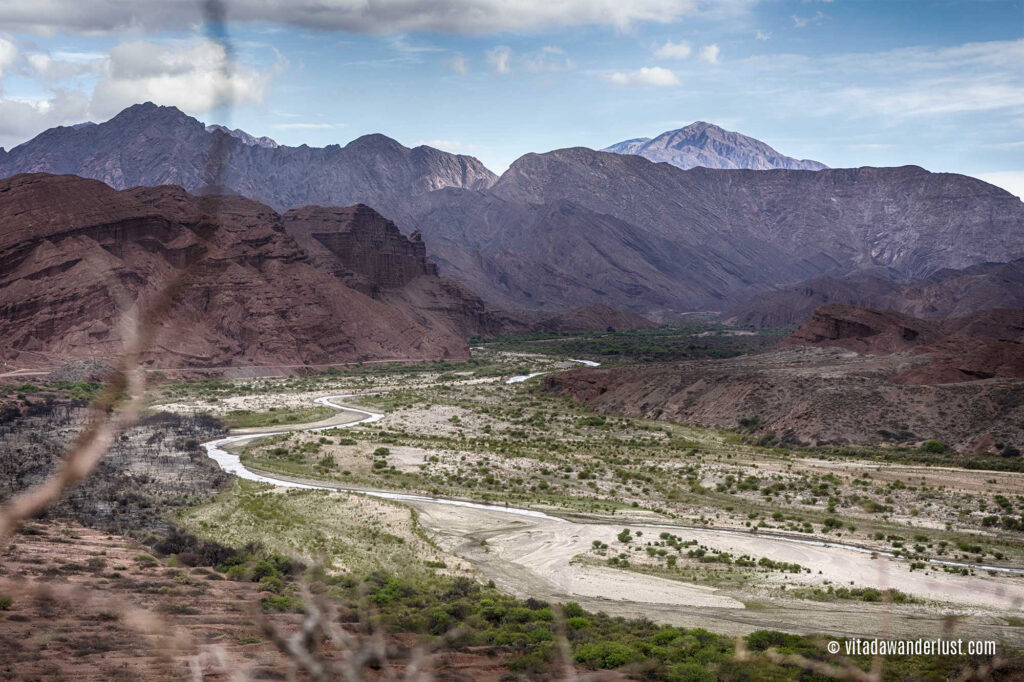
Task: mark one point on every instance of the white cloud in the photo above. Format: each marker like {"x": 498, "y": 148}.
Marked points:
{"x": 193, "y": 75}
{"x": 762, "y": 35}
{"x": 709, "y": 54}
{"x": 897, "y": 84}
{"x": 500, "y": 59}
{"x": 362, "y": 16}
{"x": 655, "y": 76}
{"x": 23, "y": 119}
{"x": 401, "y": 43}
{"x": 51, "y": 69}
{"x": 801, "y": 22}
{"x": 458, "y": 64}
{"x": 1011, "y": 181}
{"x": 9, "y": 55}
{"x": 670, "y": 50}
{"x": 930, "y": 97}
{"x": 549, "y": 58}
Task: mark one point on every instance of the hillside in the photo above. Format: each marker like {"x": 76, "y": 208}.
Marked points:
{"x": 76, "y": 255}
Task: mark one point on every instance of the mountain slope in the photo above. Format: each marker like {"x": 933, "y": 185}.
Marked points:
{"x": 707, "y": 145}
{"x": 575, "y": 226}
{"x": 75, "y": 254}
{"x": 946, "y": 293}
{"x": 150, "y": 145}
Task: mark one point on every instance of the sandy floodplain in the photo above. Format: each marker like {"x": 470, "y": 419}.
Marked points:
{"x": 535, "y": 557}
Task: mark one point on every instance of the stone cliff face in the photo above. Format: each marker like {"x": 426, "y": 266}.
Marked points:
{"x": 76, "y": 256}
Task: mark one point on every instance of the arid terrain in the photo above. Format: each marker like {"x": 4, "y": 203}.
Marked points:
{"x": 303, "y": 402}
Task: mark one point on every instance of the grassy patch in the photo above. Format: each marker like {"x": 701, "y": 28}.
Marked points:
{"x": 244, "y": 419}
{"x": 346, "y": 533}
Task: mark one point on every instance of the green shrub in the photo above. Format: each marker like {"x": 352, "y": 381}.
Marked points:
{"x": 145, "y": 560}
{"x": 577, "y": 623}
{"x": 282, "y": 603}
{"x": 238, "y": 573}
{"x": 271, "y": 583}
{"x": 692, "y": 672}
{"x": 6, "y": 602}
{"x": 761, "y": 640}
{"x": 935, "y": 447}
{"x": 263, "y": 569}
{"x": 606, "y": 655}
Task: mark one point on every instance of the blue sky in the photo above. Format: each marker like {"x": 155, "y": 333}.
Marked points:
{"x": 846, "y": 82}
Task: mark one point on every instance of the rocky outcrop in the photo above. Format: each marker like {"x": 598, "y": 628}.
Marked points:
{"x": 77, "y": 257}
{"x": 594, "y": 318}
{"x": 707, "y": 145}
{"x": 863, "y": 330}
{"x": 981, "y": 346}
{"x": 848, "y": 375}
{"x": 360, "y": 245}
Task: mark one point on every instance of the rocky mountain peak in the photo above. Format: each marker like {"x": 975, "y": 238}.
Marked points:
{"x": 705, "y": 144}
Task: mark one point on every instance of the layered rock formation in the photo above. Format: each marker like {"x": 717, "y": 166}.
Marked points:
{"x": 77, "y": 258}
{"x": 707, "y": 145}
{"x": 848, "y": 375}
{"x": 981, "y": 346}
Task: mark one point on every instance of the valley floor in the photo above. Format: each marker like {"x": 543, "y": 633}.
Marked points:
{"x": 684, "y": 526}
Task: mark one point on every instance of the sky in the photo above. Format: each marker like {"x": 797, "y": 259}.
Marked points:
{"x": 849, "y": 83}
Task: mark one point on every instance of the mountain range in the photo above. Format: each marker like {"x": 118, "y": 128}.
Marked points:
{"x": 707, "y": 145}
{"x": 575, "y": 227}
